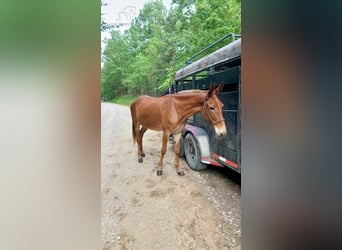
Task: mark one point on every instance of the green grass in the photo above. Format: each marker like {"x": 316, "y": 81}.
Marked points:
{"x": 124, "y": 100}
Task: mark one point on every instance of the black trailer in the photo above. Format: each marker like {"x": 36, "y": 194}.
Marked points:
{"x": 199, "y": 144}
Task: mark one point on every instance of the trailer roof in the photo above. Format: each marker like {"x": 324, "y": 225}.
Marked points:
{"x": 225, "y": 53}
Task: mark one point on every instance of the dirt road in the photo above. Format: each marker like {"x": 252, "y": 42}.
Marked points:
{"x": 141, "y": 210}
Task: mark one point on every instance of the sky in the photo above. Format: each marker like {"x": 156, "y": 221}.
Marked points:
{"x": 122, "y": 11}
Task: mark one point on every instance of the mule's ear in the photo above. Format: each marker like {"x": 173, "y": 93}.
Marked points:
{"x": 219, "y": 89}
{"x": 211, "y": 90}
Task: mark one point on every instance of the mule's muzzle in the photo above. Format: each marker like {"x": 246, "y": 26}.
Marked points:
{"x": 220, "y": 133}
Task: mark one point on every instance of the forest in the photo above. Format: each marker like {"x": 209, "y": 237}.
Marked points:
{"x": 143, "y": 58}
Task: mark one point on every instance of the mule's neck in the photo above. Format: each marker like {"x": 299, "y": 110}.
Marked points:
{"x": 190, "y": 103}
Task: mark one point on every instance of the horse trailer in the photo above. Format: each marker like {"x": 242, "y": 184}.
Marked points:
{"x": 200, "y": 146}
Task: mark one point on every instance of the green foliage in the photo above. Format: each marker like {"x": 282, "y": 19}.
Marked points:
{"x": 158, "y": 43}
{"x": 124, "y": 100}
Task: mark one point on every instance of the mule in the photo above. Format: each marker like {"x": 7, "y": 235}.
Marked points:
{"x": 169, "y": 114}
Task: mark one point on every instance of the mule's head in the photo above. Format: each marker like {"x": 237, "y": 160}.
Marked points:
{"x": 212, "y": 110}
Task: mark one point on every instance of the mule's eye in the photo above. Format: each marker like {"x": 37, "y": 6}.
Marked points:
{"x": 212, "y": 108}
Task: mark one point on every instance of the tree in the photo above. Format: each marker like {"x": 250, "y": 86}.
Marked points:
{"x": 116, "y": 58}
{"x": 158, "y": 43}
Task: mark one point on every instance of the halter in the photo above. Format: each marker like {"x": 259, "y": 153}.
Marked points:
{"x": 211, "y": 122}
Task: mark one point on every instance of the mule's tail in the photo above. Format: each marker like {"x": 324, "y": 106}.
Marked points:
{"x": 133, "y": 132}
{"x": 133, "y": 121}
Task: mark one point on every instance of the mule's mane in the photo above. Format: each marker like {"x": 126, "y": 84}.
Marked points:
{"x": 189, "y": 91}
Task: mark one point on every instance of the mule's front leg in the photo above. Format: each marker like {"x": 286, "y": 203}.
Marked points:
{"x": 177, "y": 138}
{"x": 162, "y": 153}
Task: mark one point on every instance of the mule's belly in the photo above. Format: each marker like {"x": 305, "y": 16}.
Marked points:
{"x": 152, "y": 127}
{"x": 151, "y": 122}
{"x": 154, "y": 123}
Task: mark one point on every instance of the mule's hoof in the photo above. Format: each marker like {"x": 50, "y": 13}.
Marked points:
{"x": 181, "y": 173}
{"x": 159, "y": 172}
{"x": 142, "y": 154}
{"x": 140, "y": 160}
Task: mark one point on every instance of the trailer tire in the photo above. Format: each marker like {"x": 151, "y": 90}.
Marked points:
{"x": 192, "y": 153}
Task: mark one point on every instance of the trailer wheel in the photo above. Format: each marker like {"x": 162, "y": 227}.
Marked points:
{"x": 192, "y": 153}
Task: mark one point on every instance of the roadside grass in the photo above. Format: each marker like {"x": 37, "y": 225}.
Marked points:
{"x": 124, "y": 100}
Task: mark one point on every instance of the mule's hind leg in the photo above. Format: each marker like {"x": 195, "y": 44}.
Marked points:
{"x": 138, "y": 140}
{"x": 142, "y": 132}
{"x": 177, "y": 138}
{"x": 163, "y": 151}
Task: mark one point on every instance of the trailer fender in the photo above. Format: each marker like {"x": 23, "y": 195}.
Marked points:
{"x": 201, "y": 137}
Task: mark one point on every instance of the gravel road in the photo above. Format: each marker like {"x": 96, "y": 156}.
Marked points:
{"x": 141, "y": 210}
